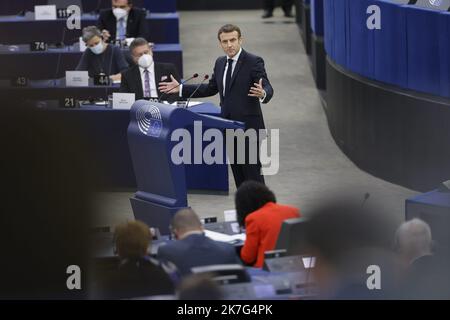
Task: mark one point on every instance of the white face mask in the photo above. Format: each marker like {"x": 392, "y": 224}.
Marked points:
{"x": 145, "y": 61}
{"x": 119, "y": 13}
{"x": 98, "y": 48}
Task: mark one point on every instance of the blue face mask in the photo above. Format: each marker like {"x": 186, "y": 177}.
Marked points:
{"x": 98, "y": 48}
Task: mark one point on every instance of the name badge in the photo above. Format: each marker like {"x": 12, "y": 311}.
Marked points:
{"x": 123, "y": 101}
{"x": 45, "y": 12}
{"x": 77, "y": 79}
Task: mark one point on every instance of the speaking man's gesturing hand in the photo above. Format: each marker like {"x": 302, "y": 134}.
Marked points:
{"x": 172, "y": 86}
{"x": 257, "y": 90}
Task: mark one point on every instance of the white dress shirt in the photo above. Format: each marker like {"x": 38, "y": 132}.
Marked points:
{"x": 153, "y": 90}
{"x": 235, "y": 60}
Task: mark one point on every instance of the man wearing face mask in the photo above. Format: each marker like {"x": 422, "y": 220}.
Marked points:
{"x": 123, "y": 21}
{"x": 143, "y": 79}
{"x": 100, "y": 57}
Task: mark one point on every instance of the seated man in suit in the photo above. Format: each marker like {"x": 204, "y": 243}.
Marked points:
{"x": 143, "y": 78}
{"x": 100, "y": 57}
{"x": 258, "y": 211}
{"x": 123, "y": 21}
{"x": 137, "y": 275}
{"x": 193, "y": 248}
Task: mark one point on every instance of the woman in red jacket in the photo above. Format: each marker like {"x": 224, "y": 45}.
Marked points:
{"x": 262, "y": 217}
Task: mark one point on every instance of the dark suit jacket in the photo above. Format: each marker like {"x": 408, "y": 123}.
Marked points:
{"x": 237, "y": 105}
{"x": 197, "y": 250}
{"x": 132, "y": 83}
{"x": 136, "y": 23}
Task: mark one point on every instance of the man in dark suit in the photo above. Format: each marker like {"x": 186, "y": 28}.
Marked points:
{"x": 144, "y": 77}
{"x": 123, "y": 21}
{"x": 193, "y": 248}
{"x": 241, "y": 80}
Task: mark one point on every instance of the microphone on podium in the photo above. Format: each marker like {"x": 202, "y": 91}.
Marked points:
{"x": 195, "y": 75}
{"x": 196, "y": 89}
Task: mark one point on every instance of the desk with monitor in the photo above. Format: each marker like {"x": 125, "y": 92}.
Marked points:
{"x": 20, "y": 61}
{"x": 258, "y": 284}
{"x": 163, "y": 28}
{"x": 55, "y": 92}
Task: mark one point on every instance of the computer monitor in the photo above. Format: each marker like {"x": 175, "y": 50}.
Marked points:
{"x": 274, "y": 262}
{"x": 225, "y": 273}
{"x": 292, "y": 237}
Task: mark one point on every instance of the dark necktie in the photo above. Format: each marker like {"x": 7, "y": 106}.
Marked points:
{"x": 228, "y": 77}
{"x": 147, "y": 91}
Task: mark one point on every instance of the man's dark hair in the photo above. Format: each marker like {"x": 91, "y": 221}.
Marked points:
{"x": 251, "y": 196}
{"x": 130, "y": 2}
{"x": 227, "y": 29}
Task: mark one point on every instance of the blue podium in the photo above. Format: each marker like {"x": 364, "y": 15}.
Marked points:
{"x": 161, "y": 182}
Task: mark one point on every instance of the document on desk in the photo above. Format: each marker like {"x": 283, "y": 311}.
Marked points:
{"x": 191, "y": 103}
{"x": 225, "y": 237}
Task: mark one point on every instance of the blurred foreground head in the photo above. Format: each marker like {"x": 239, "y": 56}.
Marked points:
{"x": 44, "y": 204}
{"x": 426, "y": 274}
{"x": 413, "y": 240}
{"x": 132, "y": 239}
{"x": 351, "y": 244}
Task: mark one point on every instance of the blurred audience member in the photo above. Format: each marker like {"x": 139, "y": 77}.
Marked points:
{"x": 414, "y": 243}
{"x": 137, "y": 275}
{"x": 199, "y": 287}
{"x": 352, "y": 246}
{"x": 45, "y": 203}
{"x": 262, "y": 217}
{"x": 426, "y": 275}
{"x": 101, "y": 58}
{"x": 193, "y": 248}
